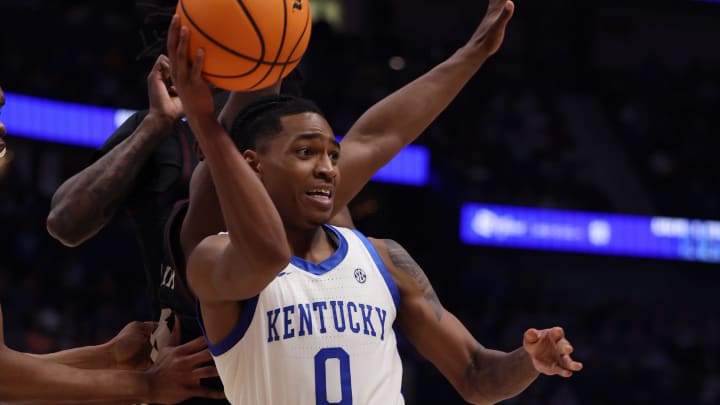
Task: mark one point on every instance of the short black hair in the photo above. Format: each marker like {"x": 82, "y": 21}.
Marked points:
{"x": 154, "y": 18}
{"x": 261, "y": 119}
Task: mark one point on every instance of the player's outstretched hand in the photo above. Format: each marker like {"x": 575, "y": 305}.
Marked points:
{"x": 187, "y": 76}
{"x": 490, "y": 33}
{"x": 177, "y": 372}
{"x": 550, "y": 352}
{"x": 130, "y": 348}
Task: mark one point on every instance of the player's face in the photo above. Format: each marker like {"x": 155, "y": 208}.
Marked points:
{"x": 2, "y": 126}
{"x": 299, "y": 170}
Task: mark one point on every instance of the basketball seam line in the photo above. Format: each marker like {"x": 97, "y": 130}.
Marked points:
{"x": 280, "y": 48}
{"x": 302, "y": 35}
{"x": 258, "y": 62}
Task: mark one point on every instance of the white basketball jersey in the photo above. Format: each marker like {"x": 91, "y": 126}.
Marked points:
{"x": 318, "y": 334}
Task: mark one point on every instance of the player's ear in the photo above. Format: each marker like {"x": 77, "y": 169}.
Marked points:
{"x": 252, "y": 158}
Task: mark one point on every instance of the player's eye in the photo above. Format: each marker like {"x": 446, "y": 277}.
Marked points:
{"x": 304, "y": 152}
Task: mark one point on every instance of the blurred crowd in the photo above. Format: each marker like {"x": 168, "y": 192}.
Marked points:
{"x": 647, "y": 331}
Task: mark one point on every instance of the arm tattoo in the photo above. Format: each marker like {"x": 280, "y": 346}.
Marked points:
{"x": 402, "y": 259}
{"x": 90, "y": 199}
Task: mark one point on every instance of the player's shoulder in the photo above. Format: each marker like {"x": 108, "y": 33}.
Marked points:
{"x": 212, "y": 242}
{"x": 207, "y": 252}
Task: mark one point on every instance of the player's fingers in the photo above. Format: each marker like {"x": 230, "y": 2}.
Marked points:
{"x": 570, "y": 364}
{"x": 557, "y": 333}
{"x": 532, "y": 335}
{"x": 164, "y": 68}
{"x": 567, "y": 363}
{"x": 172, "y": 38}
{"x": 182, "y": 49}
{"x": 193, "y": 346}
{"x": 197, "y": 67}
{"x": 148, "y": 327}
{"x": 564, "y": 347}
{"x": 565, "y": 373}
{"x": 202, "y": 392}
{"x": 200, "y": 357}
{"x": 507, "y": 13}
{"x": 205, "y": 372}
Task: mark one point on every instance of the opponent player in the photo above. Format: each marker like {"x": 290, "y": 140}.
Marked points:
{"x": 282, "y": 293}
{"x": 145, "y": 166}
{"x": 112, "y": 371}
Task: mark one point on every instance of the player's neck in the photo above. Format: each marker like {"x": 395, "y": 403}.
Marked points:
{"x": 313, "y": 246}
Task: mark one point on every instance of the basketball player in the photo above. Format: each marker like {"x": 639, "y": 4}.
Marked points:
{"x": 299, "y": 312}
{"x": 376, "y": 137}
{"x": 114, "y": 371}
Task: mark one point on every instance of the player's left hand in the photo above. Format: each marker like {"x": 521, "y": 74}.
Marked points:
{"x": 130, "y": 349}
{"x": 490, "y": 33}
{"x": 550, "y": 352}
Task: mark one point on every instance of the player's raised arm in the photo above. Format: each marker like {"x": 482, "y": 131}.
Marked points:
{"x": 239, "y": 265}
{"x": 198, "y": 222}
{"x": 86, "y": 202}
{"x": 480, "y": 375}
{"x": 398, "y": 119}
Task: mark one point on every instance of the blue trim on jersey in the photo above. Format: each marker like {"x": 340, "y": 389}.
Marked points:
{"x": 236, "y": 334}
{"x": 329, "y": 263}
{"x": 381, "y": 266}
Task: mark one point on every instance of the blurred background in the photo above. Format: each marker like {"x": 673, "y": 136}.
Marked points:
{"x": 603, "y": 107}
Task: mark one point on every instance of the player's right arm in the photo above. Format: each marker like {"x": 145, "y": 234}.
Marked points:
{"x": 226, "y": 269}
{"x": 86, "y": 202}
{"x": 238, "y": 265}
{"x": 197, "y": 224}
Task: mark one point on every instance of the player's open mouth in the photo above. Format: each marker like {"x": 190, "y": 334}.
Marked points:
{"x": 320, "y": 193}
{"x": 322, "y": 197}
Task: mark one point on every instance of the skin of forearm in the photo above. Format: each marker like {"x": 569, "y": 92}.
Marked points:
{"x": 86, "y": 202}
{"x": 88, "y": 357}
{"x": 413, "y": 107}
{"x": 494, "y": 376}
{"x": 26, "y": 379}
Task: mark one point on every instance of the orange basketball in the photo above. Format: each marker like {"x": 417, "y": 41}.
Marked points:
{"x": 248, "y": 44}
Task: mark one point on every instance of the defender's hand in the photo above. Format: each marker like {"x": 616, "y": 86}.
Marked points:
{"x": 130, "y": 349}
{"x": 176, "y": 374}
{"x": 163, "y": 97}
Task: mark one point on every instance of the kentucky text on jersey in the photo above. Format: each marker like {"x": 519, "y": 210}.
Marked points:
{"x": 318, "y": 317}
